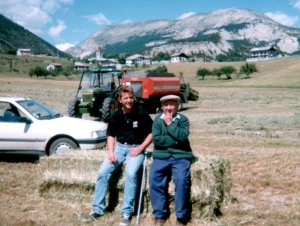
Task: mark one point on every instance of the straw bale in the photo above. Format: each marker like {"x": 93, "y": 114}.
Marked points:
{"x": 72, "y": 177}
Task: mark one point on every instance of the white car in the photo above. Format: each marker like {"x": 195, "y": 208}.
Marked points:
{"x": 27, "y": 126}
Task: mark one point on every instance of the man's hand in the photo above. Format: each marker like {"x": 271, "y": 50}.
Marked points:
{"x": 135, "y": 151}
{"x": 112, "y": 157}
{"x": 168, "y": 118}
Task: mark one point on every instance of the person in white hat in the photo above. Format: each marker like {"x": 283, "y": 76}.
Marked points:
{"x": 172, "y": 155}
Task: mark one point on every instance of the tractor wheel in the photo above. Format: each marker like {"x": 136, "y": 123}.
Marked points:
{"x": 180, "y": 106}
{"x": 193, "y": 94}
{"x": 109, "y": 106}
{"x": 73, "y": 109}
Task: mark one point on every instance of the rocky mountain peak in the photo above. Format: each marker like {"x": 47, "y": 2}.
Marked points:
{"x": 211, "y": 34}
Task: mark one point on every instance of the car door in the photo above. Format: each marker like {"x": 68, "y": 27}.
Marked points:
{"x": 16, "y": 134}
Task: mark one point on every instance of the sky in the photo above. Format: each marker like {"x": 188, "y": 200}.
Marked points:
{"x": 65, "y": 23}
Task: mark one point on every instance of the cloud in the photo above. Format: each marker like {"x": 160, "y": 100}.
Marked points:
{"x": 99, "y": 19}
{"x": 186, "y": 15}
{"x": 26, "y": 12}
{"x": 54, "y": 32}
{"x": 296, "y": 4}
{"x": 283, "y": 18}
{"x": 128, "y": 21}
{"x": 64, "y": 46}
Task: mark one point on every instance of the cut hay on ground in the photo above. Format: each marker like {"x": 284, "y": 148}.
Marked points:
{"x": 72, "y": 177}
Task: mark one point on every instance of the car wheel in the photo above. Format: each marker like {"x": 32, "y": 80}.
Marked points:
{"x": 62, "y": 145}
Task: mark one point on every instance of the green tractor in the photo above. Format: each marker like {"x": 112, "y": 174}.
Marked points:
{"x": 96, "y": 94}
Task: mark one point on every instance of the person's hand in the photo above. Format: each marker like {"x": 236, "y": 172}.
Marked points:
{"x": 135, "y": 151}
{"x": 168, "y": 119}
{"x": 112, "y": 157}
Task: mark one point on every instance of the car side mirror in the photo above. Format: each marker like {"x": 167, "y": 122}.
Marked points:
{"x": 25, "y": 120}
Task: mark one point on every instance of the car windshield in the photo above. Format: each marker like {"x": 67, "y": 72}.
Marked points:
{"x": 38, "y": 110}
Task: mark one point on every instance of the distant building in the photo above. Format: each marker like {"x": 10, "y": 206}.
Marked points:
{"x": 98, "y": 53}
{"x": 138, "y": 60}
{"x": 24, "y": 52}
{"x": 179, "y": 57}
{"x": 263, "y": 53}
{"x": 53, "y": 66}
{"x": 78, "y": 66}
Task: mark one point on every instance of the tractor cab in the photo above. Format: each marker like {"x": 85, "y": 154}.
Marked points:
{"x": 96, "y": 88}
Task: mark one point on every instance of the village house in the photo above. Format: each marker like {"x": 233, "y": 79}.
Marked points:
{"x": 79, "y": 66}
{"x": 138, "y": 60}
{"x": 263, "y": 53}
{"x": 179, "y": 57}
{"x": 53, "y": 66}
{"x": 24, "y": 52}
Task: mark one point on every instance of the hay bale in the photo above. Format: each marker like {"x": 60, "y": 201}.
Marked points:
{"x": 72, "y": 177}
{"x": 211, "y": 184}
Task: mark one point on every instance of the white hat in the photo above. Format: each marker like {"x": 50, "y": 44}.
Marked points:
{"x": 170, "y": 97}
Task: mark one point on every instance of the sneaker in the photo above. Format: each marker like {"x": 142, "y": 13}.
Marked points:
{"x": 92, "y": 217}
{"x": 125, "y": 220}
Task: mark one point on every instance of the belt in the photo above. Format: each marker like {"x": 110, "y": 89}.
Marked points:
{"x": 126, "y": 143}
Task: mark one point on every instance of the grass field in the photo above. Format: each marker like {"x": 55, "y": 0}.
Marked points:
{"x": 255, "y": 123}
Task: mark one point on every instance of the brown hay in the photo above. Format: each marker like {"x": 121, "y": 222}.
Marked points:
{"x": 72, "y": 177}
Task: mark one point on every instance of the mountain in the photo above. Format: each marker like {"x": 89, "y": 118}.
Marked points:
{"x": 14, "y": 36}
{"x": 226, "y": 32}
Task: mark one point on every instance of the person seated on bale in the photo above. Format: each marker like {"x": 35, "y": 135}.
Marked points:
{"x": 172, "y": 156}
{"x": 128, "y": 135}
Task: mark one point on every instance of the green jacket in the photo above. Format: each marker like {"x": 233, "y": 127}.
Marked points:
{"x": 171, "y": 140}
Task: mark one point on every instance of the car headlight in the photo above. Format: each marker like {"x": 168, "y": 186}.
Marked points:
{"x": 98, "y": 133}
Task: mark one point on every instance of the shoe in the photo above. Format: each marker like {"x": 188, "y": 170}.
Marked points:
{"x": 92, "y": 217}
{"x": 181, "y": 222}
{"x": 125, "y": 220}
{"x": 159, "y": 221}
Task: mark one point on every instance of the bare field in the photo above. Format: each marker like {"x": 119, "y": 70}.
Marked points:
{"x": 256, "y": 127}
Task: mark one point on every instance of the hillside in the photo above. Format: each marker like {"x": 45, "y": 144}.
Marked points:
{"x": 14, "y": 36}
{"x": 225, "y": 34}
{"x": 284, "y": 72}
{"x": 21, "y": 65}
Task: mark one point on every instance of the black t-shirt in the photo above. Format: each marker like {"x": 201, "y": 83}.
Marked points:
{"x": 130, "y": 128}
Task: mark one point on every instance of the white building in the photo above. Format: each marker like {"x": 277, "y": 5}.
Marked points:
{"x": 263, "y": 53}
{"x": 78, "y": 66}
{"x": 138, "y": 60}
{"x": 179, "y": 57}
{"x": 53, "y": 66}
{"x": 24, "y": 52}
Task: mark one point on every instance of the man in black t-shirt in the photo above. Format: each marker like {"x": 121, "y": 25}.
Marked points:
{"x": 128, "y": 135}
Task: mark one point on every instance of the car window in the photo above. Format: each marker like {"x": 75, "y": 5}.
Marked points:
{"x": 9, "y": 113}
{"x": 38, "y": 110}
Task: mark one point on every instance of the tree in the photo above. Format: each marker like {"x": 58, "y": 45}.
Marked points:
{"x": 40, "y": 71}
{"x": 248, "y": 69}
{"x": 160, "y": 69}
{"x": 228, "y": 71}
{"x": 217, "y": 72}
{"x": 161, "y": 56}
{"x": 202, "y": 72}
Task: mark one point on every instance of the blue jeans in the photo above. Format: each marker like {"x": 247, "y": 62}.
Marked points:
{"x": 161, "y": 171}
{"x": 132, "y": 165}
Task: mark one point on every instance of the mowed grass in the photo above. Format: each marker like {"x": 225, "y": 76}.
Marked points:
{"x": 255, "y": 123}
